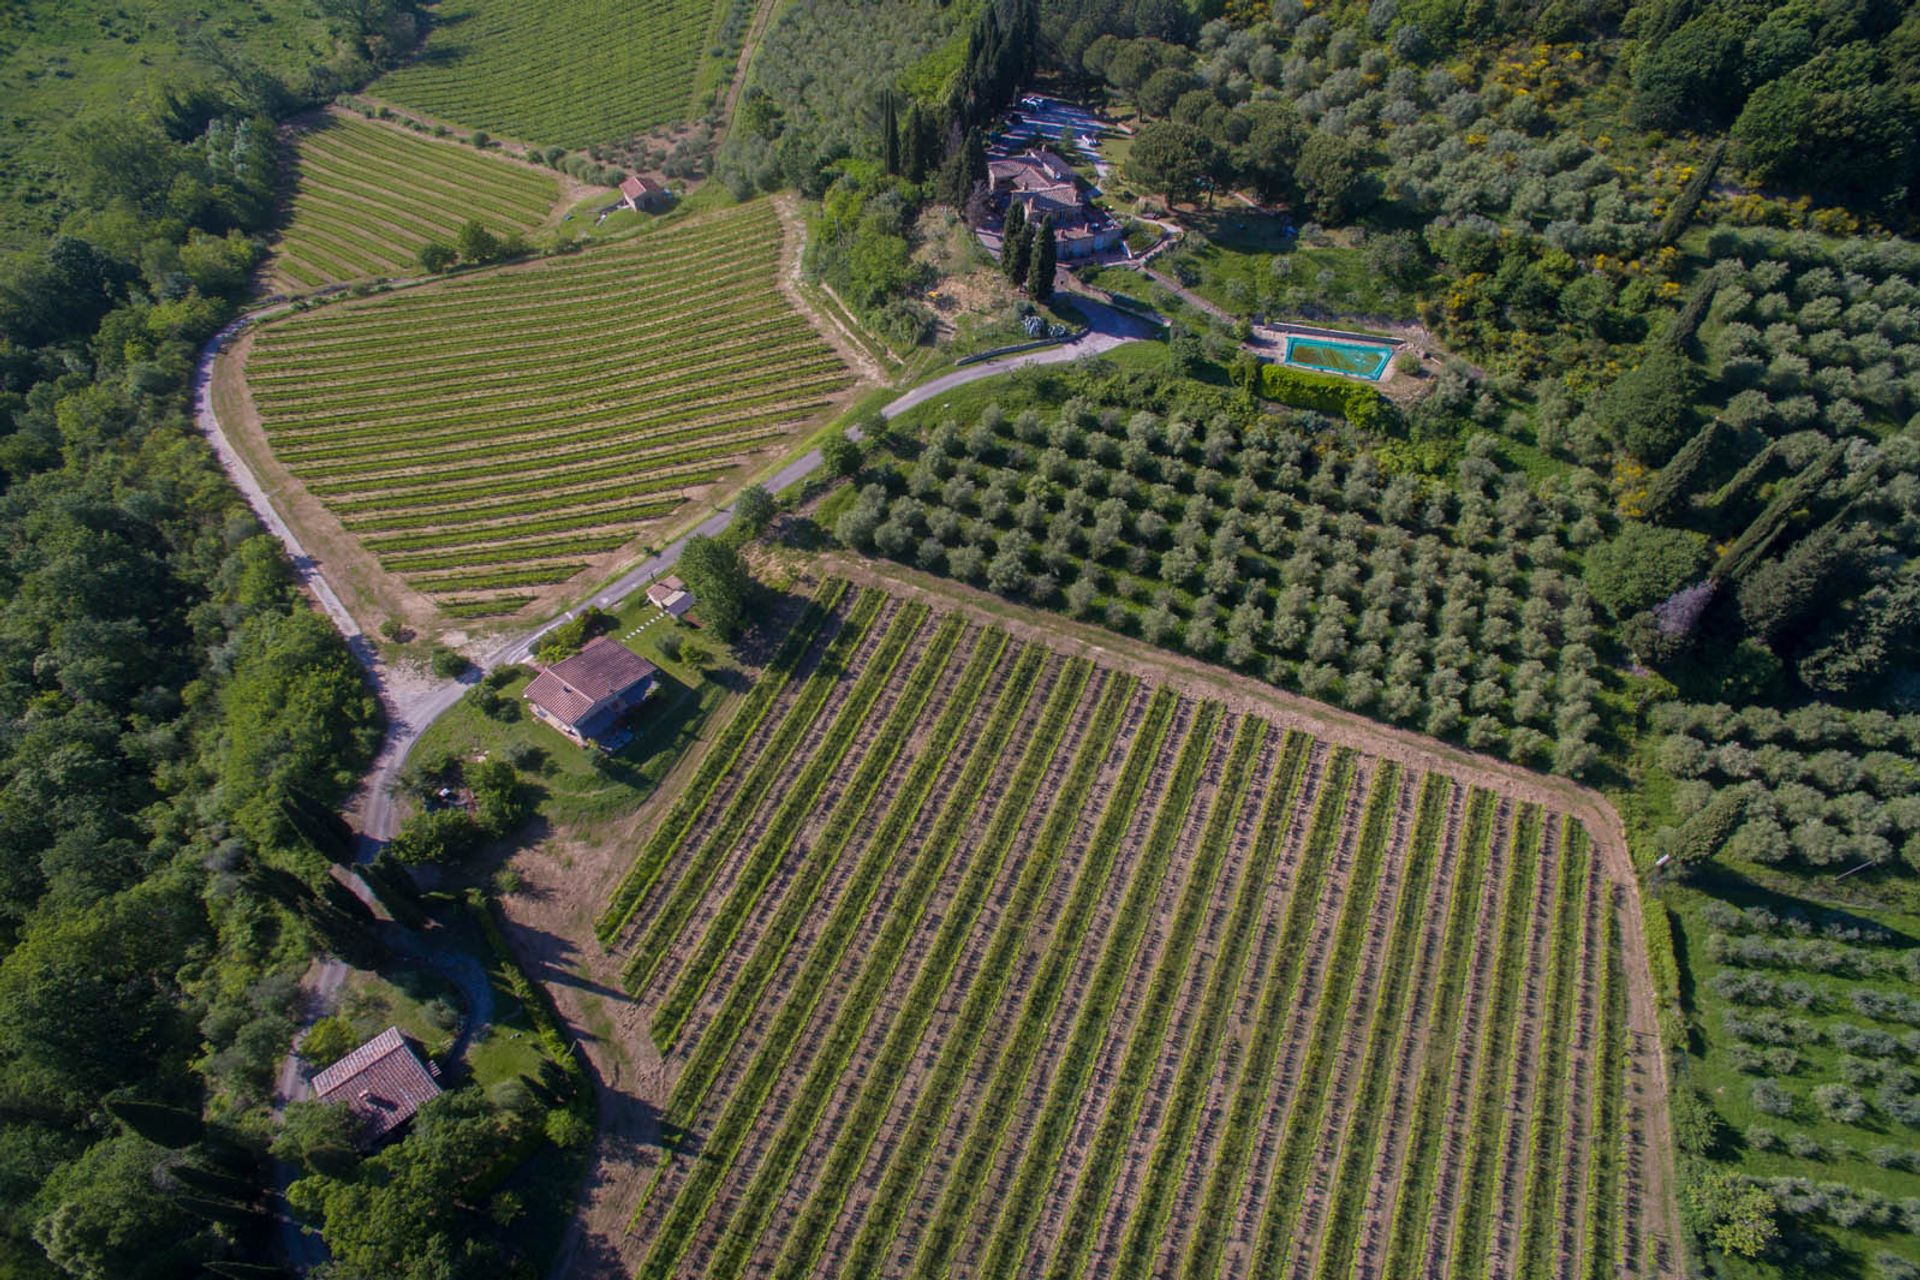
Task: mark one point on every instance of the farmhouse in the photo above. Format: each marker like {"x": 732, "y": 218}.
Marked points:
{"x": 585, "y": 696}
{"x": 383, "y": 1083}
{"x": 1045, "y": 186}
{"x": 671, "y": 595}
{"x": 642, "y": 193}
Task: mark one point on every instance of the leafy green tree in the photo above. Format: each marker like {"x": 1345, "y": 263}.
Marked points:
{"x": 328, "y": 1040}
{"x": 437, "y": 835}
{"x": 1265, "y": 160}
{"x": 753, "y": 510}
{"x": 1728, "y": 1212}
{"x": 720, "y": 584}
{"x": 1642, "y": 565}
{"x": 1161, "y": 90}
{"x": 1835, "y": 124}
{"x": 436, "y": 256}
{"x": 1171, "y": 159}
{"x": 406, "y": 1213}
{"x": 318, "y": 1136}
{"x": 1016, "y": 243}
{"x": 1650, "y": 407}
{"x": 1333, "y": 178}
{"x": 1689, "y": 79}
{"x": 840, "y": 453}
{"x": 108, "y": 1219}
{"x": 475, "y": 243}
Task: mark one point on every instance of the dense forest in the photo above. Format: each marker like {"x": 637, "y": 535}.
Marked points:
{"x": 177, "y": 727}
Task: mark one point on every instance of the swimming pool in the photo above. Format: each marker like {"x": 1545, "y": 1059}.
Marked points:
{"x": 1328, "y": 355}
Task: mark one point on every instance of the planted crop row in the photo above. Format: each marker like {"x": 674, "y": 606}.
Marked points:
{"x": 801, "y": 800}
{"x": 1494, "y": 1063}
{"x": 959, "y": 1055}
{"x": 664, "y": 921}
{"x": 477, "y": 520}
{"x": 502, "y": 552}
{"x": 622, "y": 518}
{"x": 1151, "y": 1215}
{"x": 538, "y": 575}
{"x": 492, "y": 606}
{"x": 584, "y": 476}
{"x": 1413, "y": 1201}
{"x": 1145, "y": 1041}
{"x": 719, "y": 763}
{"x": 741, "y": 1109}
{"x": 1604, "y": 1223}
{"x": 1391, "y": 1021}
{"x": 1021, "y": 803}
{"x": 1544, "y": 1153}
{"x": 1230, "y": 1173}
{"x": 744, "y": 997}
{"x": 1308, "y": 1107}
{"x": 1039, "y": 1162}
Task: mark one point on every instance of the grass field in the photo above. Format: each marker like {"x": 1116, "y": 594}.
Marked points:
{"x": 1249, "y": 265}
{"x": 567, "y": 72}
{"x": 492, "y": 436}
{"x": 367, "y": 198}
{"x": 61, "y": 60}
{"x": 970, "y": 958}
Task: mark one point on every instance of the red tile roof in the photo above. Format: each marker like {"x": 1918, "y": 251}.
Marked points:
{"x": 382, "y": 1082}
{"x": 636, "y": 186}
{"x": 569, "y": 690}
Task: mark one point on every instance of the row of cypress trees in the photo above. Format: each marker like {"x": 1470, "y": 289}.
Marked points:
{"x": 1028, "y": 252}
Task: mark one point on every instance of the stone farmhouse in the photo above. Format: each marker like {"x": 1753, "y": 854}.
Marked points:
{"x": 382, "y": 1083}
{"x": 585, "y": 696}
{"x": 1047, "y": 187}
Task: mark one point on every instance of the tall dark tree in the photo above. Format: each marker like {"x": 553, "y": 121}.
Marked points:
{"x": 1014, "y": 242}
{"x": 964, "y": 169}
{"x": 890, "y": 155}
{"x": 1042, "y": 254}
{"x": 919, "y": 143}
{"x": 719, "y": 581}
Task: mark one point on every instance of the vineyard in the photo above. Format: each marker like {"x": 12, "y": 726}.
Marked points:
{"x": 367, "y": 198}
{"x": 565, "y": 72}
{"x": 973, "y": 958}
{"x": 499, "y": 433}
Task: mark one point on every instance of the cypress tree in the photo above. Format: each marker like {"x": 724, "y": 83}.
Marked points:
{"x": 1043, "y": 253}
{"x": 1013, "y": 248}
{"x": 1674, "y": 483}
{"x": 918, "y": 139}
{"x": 890, "y": 132}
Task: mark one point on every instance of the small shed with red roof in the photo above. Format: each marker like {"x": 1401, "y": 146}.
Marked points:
{"x": 642, "y": 193}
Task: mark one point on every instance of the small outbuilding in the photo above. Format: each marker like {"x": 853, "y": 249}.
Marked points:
{"x": 643, "y": 194}
{"x": 671, "y": 596}
{"x": 584, "y": 696}
{"x": 383, "y": 1083}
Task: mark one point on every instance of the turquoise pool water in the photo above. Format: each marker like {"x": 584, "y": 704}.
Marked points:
{"x": 1330, "y": 355}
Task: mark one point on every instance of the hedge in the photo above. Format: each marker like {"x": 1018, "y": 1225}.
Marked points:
{"x": 1361, "y": 405}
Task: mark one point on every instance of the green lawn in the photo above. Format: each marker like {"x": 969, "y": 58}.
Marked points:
{"x": 1247, "y": 265}
{"x": 577, "y": 785}
{"x": 1713, "y": 1068}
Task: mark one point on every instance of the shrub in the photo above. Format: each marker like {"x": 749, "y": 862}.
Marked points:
{"x": 1361, "y": 405}
{"x": 1840, "y": 1103}
{"x": 448, "y": 664}
{"x": 1769, "y": 1097}
{"x": 329, "y": 1040}
{"x": 1642, "y": 565}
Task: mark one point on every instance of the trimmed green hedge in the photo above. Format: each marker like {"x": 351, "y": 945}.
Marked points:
{"x": 1359, "y": 404}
